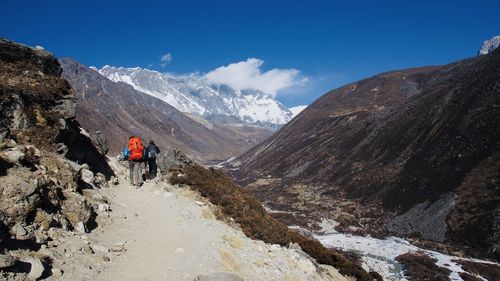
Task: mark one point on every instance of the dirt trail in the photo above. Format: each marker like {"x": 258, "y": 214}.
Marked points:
{"x": 169, "y": 233}
{"x": 164, "y": 235}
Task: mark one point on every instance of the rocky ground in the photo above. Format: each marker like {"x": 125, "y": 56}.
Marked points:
{"x": 164, "y": 232}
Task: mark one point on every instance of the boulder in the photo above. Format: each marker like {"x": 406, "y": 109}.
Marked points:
{"x": 100, "y": 142}
{"x": 37, "y": 268}
{"x": 172, "y": 157}
{"x": 76, "y": 209}
{"x": 13, "y": 155}
{"x": 9, "y": 143}
{"x": 87, "y": 176}
{"x": 21, "y": 232}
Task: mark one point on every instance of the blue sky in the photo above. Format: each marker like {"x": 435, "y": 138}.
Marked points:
{"x": 320, "y": 45}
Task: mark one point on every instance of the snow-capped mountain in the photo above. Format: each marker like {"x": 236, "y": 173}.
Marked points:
{"x": 297, "y": 109}
{"x": 193, "y": 94}
{"x": 489, "y": 45}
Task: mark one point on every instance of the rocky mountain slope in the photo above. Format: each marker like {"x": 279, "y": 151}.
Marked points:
{"x": 117, "y": 111}
{"x": 413, "y": 152}
{"x": 48, "y": 167}
{"x": 192, "y": 94}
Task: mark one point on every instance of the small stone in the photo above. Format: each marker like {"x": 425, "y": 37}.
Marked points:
{"x": 275, "y": 247}
{"x": 119, "y": 247}
{"x": 179, "y": 251}
{"x": 199, "y": 203}
{"x": 106, "y": 258}
{"x": 21, "y": 232}
{"x": 37, "y": 268}
{"x": 87, "y": 250}
{"x": 103, "y": 207}
{"x": 294, "y": 246}
{"x": 56, "y": 272}
{"x": 81, "y": 228}
{"x": 6, "y": 260}
{"x": 99, "y": 249}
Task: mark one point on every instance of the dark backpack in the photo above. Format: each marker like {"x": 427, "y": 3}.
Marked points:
{"x": 151, "y": 152}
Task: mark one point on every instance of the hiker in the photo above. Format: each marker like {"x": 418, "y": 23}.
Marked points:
{"x": 144, "y": 165}
{"x": 136, "y": 150}
{"x": 151, "y": 152}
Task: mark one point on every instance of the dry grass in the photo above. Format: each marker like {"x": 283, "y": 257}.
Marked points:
{"x": 238, "y": 204}
{"x": 229, "y": 261}
{"x": 207, "y": 214}
{"x": 487, "y": 271}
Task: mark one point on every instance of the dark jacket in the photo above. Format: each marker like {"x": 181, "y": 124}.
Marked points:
{"x": 152, "y": 148}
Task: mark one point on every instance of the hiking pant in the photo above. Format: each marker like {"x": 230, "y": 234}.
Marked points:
{"x": 152, "y": 168}
{"x": 135, "y": 172}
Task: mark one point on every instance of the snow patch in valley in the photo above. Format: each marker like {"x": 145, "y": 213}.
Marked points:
{"x": 380, "y": 254}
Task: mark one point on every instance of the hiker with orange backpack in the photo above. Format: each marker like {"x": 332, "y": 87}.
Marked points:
{"x": 135, "y": 159}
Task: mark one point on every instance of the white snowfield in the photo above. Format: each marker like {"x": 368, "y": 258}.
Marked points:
{"x": 193, "y": 94}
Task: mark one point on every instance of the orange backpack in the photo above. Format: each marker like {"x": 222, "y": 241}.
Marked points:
{"x": 136, "y": 149}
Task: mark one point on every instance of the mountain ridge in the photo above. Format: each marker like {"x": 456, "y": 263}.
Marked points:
{"x": 389, "y": 147}
{"x": 117, "y": 110}
{"x": 192, "y": 94}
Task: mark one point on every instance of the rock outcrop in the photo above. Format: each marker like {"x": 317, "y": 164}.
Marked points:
{"x": 42, "y": 151}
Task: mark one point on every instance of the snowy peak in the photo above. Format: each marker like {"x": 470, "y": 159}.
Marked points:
{"x": 297, "y": 109}
{"x": 489, "y": 45}
{"x": 193, "y": 94}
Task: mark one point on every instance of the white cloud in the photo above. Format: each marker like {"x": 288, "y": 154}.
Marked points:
{"x": 166, "y": 59}
{"x": 247, "y": 75}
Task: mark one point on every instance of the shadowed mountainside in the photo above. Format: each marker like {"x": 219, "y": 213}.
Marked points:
{"x": 413, "y": 152}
